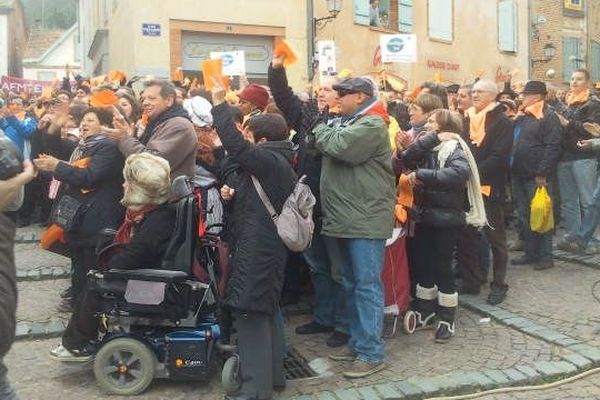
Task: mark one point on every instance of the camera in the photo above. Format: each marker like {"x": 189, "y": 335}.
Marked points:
{"x": 11, "y": 161}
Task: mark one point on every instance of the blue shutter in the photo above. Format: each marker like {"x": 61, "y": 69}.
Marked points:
{"x": 440, "y": 19}
{"x": 571, "y": 49}
{"x": 595, "y": 60}
{"x": 361, "y": 12}
{"x": 507, "y": 38}
{"x": 405, "y": 16}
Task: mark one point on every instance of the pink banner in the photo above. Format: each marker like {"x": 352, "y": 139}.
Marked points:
{"x": 19, "y": 85}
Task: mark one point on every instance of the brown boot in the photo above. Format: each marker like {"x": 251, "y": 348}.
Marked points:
{"x": 361, "y": 369}
{"x": 344, "y": 354}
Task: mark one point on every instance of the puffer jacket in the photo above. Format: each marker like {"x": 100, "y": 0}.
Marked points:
{"x": 578, "y": 114}
{"x": 440, "y": 198}
{"x": 258, "y": 255}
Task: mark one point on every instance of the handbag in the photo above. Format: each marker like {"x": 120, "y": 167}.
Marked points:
{"x": 67, "y": 213}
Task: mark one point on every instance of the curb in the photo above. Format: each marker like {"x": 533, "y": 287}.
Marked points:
{"x": 579, "y": 357}
{"x": 591, "y": 260}
{"x": 27, "y": 238}
{"x": 39, "y": 330}
{"x": 42, "y": 274}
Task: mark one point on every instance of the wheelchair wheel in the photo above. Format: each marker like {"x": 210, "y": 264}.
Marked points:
{"x": 124, "y": 366}
{"x": 230, "y": 378}
{"x": 410, "y": 322}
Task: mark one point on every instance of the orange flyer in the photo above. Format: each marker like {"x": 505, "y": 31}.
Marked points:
{"x": 213, "y": 69}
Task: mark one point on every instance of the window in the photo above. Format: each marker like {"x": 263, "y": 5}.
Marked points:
{"x": 507, "y": 25}
{"x": 46, "y": 75}
{"x": 571, "y": 56}
{"x": 405, "y": 16}
{"x": 574, "y": 5}
{"x": 396, "y": 15}
{"x": 441, "y": 20}
{"x": 595, "y": 62}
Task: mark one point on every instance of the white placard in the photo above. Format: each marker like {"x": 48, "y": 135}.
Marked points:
{"x": 234, "y": 63}
{"x": 398, "y": 48}
{"x": 326, "y": 49}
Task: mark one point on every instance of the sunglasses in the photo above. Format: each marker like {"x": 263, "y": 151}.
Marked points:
{"x": 342, "y": 93}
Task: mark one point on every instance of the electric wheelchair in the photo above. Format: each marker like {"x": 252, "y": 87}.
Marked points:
{"x": 164, "y": 323}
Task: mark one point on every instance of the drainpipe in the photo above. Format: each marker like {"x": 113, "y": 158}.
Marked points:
{"x": 310, "y": 33}
{"x": 529, "y": 40}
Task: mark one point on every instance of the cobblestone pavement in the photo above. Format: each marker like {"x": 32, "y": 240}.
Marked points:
{"x": 559, "y": 299}
{"x": 29, "y": 256}
{"x": 584, "y": 389}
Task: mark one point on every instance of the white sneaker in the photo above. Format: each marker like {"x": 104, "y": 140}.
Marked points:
{"x": 60, "y": 353}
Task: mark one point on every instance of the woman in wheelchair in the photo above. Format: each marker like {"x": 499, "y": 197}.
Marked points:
{"x": 140, "y": 242}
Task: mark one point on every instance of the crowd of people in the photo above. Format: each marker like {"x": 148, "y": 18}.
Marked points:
{"x": 462, "y": 152}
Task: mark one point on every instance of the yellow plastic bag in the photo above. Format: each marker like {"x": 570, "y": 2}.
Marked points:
{"x": 541, "y": 219}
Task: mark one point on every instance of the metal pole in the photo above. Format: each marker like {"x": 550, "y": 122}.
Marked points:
{"x": 310, "y": 30}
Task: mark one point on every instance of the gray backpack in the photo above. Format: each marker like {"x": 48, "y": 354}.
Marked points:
{"x": 295, "y": 224}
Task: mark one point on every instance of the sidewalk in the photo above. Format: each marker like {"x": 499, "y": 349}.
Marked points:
{"x": 545, "y": 330}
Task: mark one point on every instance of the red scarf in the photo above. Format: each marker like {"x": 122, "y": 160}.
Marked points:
{"x": 132, "y": 218}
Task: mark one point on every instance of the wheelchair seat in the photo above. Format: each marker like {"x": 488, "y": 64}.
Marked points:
{"x": 152, "y": 275}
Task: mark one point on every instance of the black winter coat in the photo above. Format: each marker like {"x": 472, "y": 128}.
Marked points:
{"x": 493, "y": 155}
{"x": 577, "y": 115}
{"x": 538, "y": 145}
{"x": 440, "y": 201}
{"x": 258, "y": 256}
{"x": 102, "y": 184}
{"x": 8, "y": 285}
{"x": 149, "y": 241}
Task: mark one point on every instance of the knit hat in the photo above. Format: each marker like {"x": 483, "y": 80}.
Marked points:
{"x": 256, "y": 95}
{"x": 198, "y": 109}
{"x": 148, "y": 181}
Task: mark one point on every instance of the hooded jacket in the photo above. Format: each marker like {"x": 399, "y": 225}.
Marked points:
{"x": 258, "y": 256}
{"x": 357, "y": 181}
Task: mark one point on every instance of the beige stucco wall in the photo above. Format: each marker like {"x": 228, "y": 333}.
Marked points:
{"x": 474, "y": 48}
{"x": 135, "y": 53}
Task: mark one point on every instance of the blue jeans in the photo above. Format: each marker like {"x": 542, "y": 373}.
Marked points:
{"x": 592, "y": 219}
{"x": 538, "y": 246}
{"x": 576, "y": 182}
{"x": 362, "y": 262}
{"x": 327, "y": 281}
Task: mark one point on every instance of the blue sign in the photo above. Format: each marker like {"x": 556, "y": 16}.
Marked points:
{"x": 151, "y": 29}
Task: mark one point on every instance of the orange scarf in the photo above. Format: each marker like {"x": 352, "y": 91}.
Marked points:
{"x": 581, "y": 97}
{"x": 536, "y": 109}
{"x": 404, "y": 200}
{"x": 477, "y": 123}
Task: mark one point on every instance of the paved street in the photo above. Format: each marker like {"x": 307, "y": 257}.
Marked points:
{"x": 559, "y": 299}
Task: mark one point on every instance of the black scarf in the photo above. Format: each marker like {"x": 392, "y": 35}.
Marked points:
{"x": 175, "y": 111}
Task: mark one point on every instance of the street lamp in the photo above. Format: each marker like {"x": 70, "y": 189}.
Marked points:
{"x": 333, "y": 7}
{"x": 549, "y": 54}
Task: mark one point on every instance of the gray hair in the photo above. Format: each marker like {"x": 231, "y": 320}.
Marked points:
{"x": 167, "y": 89}
{"x": 488, "y": 86}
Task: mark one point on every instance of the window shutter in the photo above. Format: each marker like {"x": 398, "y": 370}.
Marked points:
{"x": 571, "y": 46}
{"x": 405, "y": 16}
{"x": 440, "y": 19}
{"x": 595, "y": 62}
{"x": 361, "y": 12}
{"x": 507, "y": 38}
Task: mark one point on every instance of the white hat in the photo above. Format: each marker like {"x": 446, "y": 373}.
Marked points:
{"x": 148, "y": 181}
{"x": 198, "y": 108}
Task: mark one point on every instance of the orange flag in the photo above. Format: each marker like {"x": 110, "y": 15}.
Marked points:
{"x": 104, "y": 98}
{"x": 283, "y": 48}
{"x": 213, "y": 69}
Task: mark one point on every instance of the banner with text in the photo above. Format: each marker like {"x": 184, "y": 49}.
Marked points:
{"x": 20, "y": 85}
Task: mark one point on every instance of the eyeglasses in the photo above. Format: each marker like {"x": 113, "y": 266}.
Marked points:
{"x": 342, "y": 93}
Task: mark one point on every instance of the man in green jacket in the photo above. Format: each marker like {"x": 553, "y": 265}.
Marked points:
{"x": 357, "y": 193}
